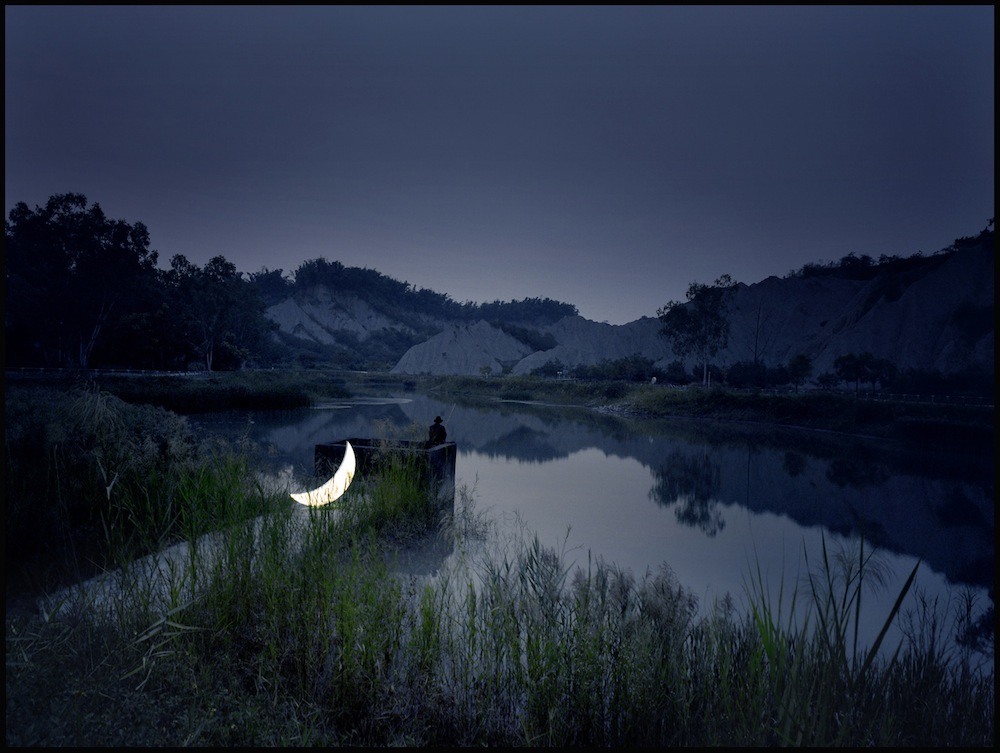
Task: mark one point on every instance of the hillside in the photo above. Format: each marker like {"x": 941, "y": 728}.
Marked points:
{"x": 930, "y": 313}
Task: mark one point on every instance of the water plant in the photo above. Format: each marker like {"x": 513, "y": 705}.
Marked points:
{"x": 273, "y": 624}
{"x": 829, "y": 686}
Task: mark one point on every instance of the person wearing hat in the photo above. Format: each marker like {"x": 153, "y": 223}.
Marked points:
{"x": 436, "y": 434}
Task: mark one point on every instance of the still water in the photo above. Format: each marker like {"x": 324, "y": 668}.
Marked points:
{"x": 712, "y": 501}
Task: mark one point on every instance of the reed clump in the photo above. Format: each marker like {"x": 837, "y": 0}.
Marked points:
{"x": 244, "y": 390}
{"x": 276, "y": 624}
{"x": 81, "y": 465}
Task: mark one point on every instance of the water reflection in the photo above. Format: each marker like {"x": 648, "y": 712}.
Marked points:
{"x": 691, "y": 482}
{"x": 735, "y": 491}
{"x": 856, "y": 473}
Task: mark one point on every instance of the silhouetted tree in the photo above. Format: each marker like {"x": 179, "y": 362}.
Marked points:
{"x": 72, "y": 276}
{"x": 701, "y": 325}
{"x": 828, "y": 380}
{"x": 222, "y": 312}
{"x": 676, "y": 373}
{"x": 864, "y": 368}
{"x": 849, "y": 368}
{"x": 752, "y": 374}
{"x": 272, "y": 286}
{"x": 878, "y": 371}
{"x": 404, "y": 302}
{"x": 799, "y": 369}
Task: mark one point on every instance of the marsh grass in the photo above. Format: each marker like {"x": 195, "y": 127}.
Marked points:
{"x": 216, "y": 391}
{"x": 830, "y": 687}
{"x": 396, "y": 502}
{"x": 280, "y": 625}
{"x": 944, "y": 426}
{"x": 80, "y": 465}
{"x": 970, "y": 427}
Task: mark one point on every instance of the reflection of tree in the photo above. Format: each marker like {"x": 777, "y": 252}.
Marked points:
{"x": 856, "y": 473}
{"x": 523, "y": 443}
{"x": 794, "y": 464}
{"x": 959, "y": 510}
{"x": 693, "y": 482}
{"x": 976, "y": 632}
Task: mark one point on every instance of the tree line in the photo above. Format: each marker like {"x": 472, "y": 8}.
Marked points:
{"x": 84, "y": 290}
{"x": 699, "y": 327}
{"x": 864, "y": 267}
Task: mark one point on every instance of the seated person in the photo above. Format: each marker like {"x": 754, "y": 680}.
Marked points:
{"x": 436, "y": 434}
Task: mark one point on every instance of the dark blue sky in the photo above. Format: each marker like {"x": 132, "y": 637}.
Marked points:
{"x": 602, "y": 156}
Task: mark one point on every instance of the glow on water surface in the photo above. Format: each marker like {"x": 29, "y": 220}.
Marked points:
{"x": 713, "y": 505}
{"x": 592, "y": 506}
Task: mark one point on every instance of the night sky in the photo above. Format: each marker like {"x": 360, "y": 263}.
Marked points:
{"x": 602, "y": 156}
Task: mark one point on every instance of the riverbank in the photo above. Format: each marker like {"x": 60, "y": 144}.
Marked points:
{"x": 930, "y": 423}
{"x": 326, "y": 644}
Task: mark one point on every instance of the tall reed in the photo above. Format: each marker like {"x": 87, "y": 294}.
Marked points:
{"x": 829, "y": 688}
{"x": 275, "y": 624}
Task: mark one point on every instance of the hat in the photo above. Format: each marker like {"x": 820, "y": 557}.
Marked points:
{"x": 437, "y": 419}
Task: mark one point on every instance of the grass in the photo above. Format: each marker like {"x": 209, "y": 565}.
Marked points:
{"x": 281, "y": 625}
{"x": 325, "y": 645}
{"x": 244, "y": 390}
{"x": 831, "y": 693}
{"x": 945, "y": 426}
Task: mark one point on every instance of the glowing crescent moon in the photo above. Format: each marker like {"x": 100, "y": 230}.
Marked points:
{"x": 335, "y": 487}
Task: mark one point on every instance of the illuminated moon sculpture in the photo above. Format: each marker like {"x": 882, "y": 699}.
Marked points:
{"x": 334, "y": 488}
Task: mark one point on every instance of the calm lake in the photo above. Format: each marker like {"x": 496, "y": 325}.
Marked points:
{"x": 713, "y": 501}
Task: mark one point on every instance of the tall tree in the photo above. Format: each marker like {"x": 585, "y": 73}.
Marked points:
{"x": 864, "y": 368}
{"x": 222, "y": 312}
{"x": 272, "y": 285}
{"x": 799, "y": 369}
{"x": 700, "y": 326}
{"x": 72, "y": 274}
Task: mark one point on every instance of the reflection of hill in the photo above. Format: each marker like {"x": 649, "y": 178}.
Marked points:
{"x": 926, "y": 505}
{"x": 897, "y": 512}
{"x": 846, "y": 484}
{"x": 523, "y": 443}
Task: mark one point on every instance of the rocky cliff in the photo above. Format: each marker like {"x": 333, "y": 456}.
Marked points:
{"x": 323, "y": 317}
{"x": 464, "y": 349}
{"x": 938, "y": 316}
{"x": 933, "y": 313}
